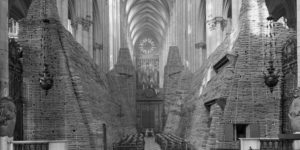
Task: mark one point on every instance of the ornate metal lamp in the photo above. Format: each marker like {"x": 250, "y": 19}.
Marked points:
{"x": 271, "y": 79}
{"x": 46, "y": 79}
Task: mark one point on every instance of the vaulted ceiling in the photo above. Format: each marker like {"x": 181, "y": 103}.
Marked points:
{"x": 149, "y": 17}
{"x": 144, "y": 17}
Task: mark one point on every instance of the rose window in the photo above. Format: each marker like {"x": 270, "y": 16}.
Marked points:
{"x": 147, "y": 46}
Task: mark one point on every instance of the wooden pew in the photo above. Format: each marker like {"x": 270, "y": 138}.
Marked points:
{"x": 171, "y": 142}
{"x": 130, "y": 142}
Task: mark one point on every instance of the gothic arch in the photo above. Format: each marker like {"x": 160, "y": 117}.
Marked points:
{"x": 145, "y": 16}
{"x": 96, "y": 17}
{"x": 201, "y": 29}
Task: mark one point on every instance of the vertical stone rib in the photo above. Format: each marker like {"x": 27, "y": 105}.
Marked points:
{"x": 298, "y": 43}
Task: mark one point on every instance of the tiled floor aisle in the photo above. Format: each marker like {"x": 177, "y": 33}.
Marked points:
{"x": 150, "y": 144}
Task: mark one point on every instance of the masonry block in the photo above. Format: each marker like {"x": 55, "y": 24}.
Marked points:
{"x": 79, "y": 103}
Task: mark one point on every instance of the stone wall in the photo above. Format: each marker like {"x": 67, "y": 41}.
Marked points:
{"x": 177, "y": 80}
{"x": 235, "y": 93}
{"x": 205, "y": 105}
{"x": 79, "y": 101}
{"x": 250, "y": 100}
{"x": 122, "y": 83}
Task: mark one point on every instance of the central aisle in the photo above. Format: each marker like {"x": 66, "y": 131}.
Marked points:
{"x": 150, "y": 144}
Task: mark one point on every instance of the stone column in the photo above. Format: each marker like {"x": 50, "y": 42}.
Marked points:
{"x": 87, "y": 34}
{"x": 77, "y": 30}
{"x": 97, "y": 58}
{"x": 214, "y": 25}
{"x": 123, "y": 27}
{"x": 90, "y": 29}
{"x": 203, "y": 53}
{"x": 298, "y": 43}
{"x": 236, "y": 5}
{"x": 114, "y": 30}
{"x": 172, "y": 84}
{"x": 201, "y": 48}
{"x": 215, "y": 114}
{"x": 4, "y": 66}
{"x": 214, "y": 30}
{"x": 124, "y": 71}
{"x": 84, "y": 33}
{"x": 101, "y": 34}
{"x": 83, "y": 25}
{"x": 62, "y": 7}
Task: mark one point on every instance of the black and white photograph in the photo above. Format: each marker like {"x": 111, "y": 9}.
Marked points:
{"x": 149, "y": 75}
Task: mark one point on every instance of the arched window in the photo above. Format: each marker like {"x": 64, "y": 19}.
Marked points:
{"x": 13, "y": 28}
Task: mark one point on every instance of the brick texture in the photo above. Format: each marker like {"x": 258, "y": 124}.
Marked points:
{"x": 122, "y": 81}
{"x": 177, "y": 80}
{"x": 79, "y": 101}
{"x": 240, "y": 82}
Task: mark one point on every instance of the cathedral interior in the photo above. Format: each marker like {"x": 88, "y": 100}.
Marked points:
{"x": 149, "y": 74}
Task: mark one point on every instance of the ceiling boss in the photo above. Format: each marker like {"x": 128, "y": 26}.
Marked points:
{"x": 147, "y": 46}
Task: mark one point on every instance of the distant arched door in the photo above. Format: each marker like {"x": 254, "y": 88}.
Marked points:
{"x": 149, "y": 114}
{"x": 148, "y": 119}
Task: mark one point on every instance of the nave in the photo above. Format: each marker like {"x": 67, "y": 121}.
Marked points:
{"x": 151, "y": 141}
{"x": 87, "y": 72}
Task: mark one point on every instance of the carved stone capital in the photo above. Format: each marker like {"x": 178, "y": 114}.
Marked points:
{"x": 217, "y": 20}
{"x": 85, "y": 22}
{"x": 98, "y": 46}
{"x": 74, "y": 23}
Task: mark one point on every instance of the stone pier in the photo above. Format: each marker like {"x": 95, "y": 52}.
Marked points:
{"x": 4, "y": 76}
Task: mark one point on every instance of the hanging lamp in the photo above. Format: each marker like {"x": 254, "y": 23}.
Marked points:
{"x": 46, "y": 79}
{"x": 271, "y": 78}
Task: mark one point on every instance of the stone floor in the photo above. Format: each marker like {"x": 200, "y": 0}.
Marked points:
{"x": 150, "y": 144}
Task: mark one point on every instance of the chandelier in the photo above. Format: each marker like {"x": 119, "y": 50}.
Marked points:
{"x": 271, "y": 78}
{"x": 46, "y": 79}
